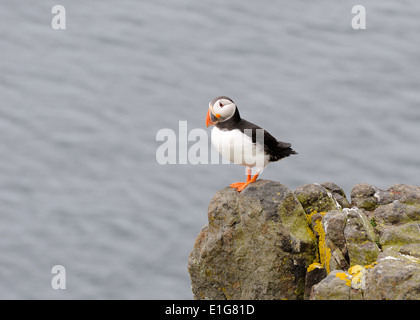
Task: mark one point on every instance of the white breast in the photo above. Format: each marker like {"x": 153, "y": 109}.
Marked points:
{"x": 238, "y": 148}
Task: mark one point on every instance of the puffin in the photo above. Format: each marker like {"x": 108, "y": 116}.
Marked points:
{"x": 241, "y": 141}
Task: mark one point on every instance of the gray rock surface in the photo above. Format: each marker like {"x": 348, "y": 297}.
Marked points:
{"x": 314, "y": 275}
{"x": 334, "y": 224}
{"x": 256, "y": 245}
{"x": 360, "y": 238}
{"x": 395, "y": 213}
{"x": 337, "y": 193}
{"x": 401, "y": 235}
{"x": 268, "y": 242}
{"x": 315, "y": 197}
{"x": 363, "y": 196}
{"x": 331, "y": 288}
{"x": 406, "y": 193}
{"x": 394, "y": 279}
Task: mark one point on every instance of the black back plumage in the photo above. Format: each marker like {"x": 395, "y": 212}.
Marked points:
{"x": 276, "y": 149}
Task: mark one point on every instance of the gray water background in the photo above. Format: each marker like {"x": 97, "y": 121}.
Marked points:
{"x": 80, "y": 110}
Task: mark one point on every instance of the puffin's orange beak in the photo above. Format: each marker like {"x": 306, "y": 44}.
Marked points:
{"x": 209, "y": 116}
{"x": 208, "y": 120}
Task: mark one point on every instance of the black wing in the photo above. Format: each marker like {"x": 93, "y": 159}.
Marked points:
{"x": 276, "y": 149}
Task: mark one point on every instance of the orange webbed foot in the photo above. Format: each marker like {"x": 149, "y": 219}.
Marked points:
{"x": 237, "y": 184}
{"x": 242, "y": 185}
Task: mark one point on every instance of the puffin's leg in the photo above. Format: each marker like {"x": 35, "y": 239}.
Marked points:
{"x": 248, "y": 174}
{"x": 242, "y": 185}
{"x": 254, "y": 178}
{"x": 248, "y": 178}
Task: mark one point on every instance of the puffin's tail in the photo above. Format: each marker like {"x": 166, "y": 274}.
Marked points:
{"x": 284, "y": 150}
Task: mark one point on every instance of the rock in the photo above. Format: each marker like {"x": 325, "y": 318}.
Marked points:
{"x": 391, "y": 278}
{"x": 406, "y": 193}
{"x": 314, "y": 274}
{"x": 313, "y": 219}
{"x": 398, "y": 223}
{"x": 268, "y": 242}
{"x": 395, "y": 213}
{"x": 394, "y": 279}
{"x": 334, "y": 223}
{"x": 358, "y": 282}
{"x": 412, "y": 249}
{"x": 363, "y": 196}
{"x": 400, "y": 235}
{"x": 257, "y": 245}
{"x": 368, "y": 197}
{"x": 384, "y": 196}
{"x": 342, "y": 285}
{"x": 337, "y": 193}
{"x": 335, "y": 286}
{"x": 360, "y": 238}
{"x": 338, "y": 259}
{"x": 314, "y": 197}
{"x": 350, "y": 239}
{"x": 389, "y": 251}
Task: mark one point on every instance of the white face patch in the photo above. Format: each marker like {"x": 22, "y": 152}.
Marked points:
{"x": 224, "y": 108}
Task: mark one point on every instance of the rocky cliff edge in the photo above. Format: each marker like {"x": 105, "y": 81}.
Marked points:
{"x": 269, "y": 242}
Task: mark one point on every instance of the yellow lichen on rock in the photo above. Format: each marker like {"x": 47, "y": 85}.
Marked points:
{"x": 341, "y": 275}
{"x": 344, "y": 276}
{"x": 358, "y": 274}
{"x": 371, "y": 266}
{"x": 355, "y": 269}
{"x": 324, "y": 251}
{"x": 311, "y": 234}
{"x": 358, "y": 280}
{"x": 309, "y": 216}
{"x": 313, "y": 266}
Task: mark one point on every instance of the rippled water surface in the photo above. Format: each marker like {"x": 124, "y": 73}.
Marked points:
{"x": 80, "y": 109}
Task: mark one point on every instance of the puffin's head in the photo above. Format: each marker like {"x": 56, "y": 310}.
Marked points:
{"x": 220, "y": 109}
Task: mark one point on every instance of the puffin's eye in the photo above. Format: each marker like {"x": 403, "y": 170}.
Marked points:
{"x": 221, "y": 104}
